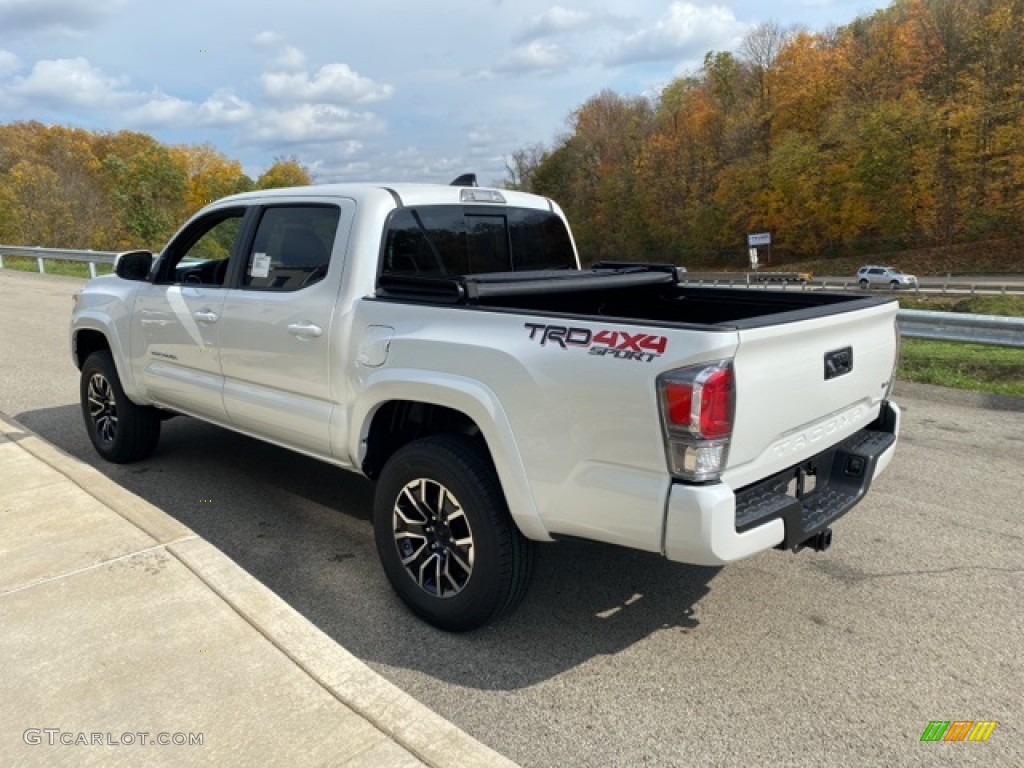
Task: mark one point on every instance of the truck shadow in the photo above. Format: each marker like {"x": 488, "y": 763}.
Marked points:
{"x": 302, "y": 528}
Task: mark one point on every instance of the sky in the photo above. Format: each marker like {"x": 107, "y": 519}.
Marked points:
{"x": 382, "y": 90}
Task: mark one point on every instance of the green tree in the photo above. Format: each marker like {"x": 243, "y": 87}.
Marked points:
{"x": 147, "y": 187}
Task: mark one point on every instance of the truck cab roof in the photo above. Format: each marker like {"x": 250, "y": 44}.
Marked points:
{"x": 404, "y": 194}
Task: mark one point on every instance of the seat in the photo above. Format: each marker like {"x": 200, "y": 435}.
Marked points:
{"x": 302, "y": 260}
{"x": 302, "y": 249}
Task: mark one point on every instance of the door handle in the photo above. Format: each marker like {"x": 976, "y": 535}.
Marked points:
{"x": 205, "y": 316}
{"x": 305, "y": 330}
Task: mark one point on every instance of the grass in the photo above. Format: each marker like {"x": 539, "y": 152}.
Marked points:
{"x": 977, "y": 367}
{"x": 54, "y": 267}
{"x": 1008, "y": 306}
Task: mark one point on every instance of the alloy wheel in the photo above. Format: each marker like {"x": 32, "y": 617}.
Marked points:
{"x": 102, "y": 407}
{"x": 433, "y": 537}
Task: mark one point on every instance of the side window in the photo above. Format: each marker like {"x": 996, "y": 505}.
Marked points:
{"x": 292, "y": 247}
{"x": 200, "y": 255}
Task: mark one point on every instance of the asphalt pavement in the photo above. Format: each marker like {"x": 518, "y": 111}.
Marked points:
{"x": 619, "y": 658}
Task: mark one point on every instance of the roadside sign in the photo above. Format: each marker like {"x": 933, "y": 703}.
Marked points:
{"x": 761, "y": 238}
{"x": 753, "y": 258}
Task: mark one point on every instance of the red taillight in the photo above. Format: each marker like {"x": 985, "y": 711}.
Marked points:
{"x": 716, "y": 404}
{"x": 702, "y": 405}
{"x": 679, "y": 398}
{"x": 697, "y": 411}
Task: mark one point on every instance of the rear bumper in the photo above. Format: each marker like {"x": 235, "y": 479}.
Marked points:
{"x": 714, "y": 525}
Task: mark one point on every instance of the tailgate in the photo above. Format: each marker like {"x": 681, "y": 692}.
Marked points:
{"x": 797, "y": 392}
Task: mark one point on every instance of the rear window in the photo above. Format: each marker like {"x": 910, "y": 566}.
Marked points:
{"x": 465, "y": 240}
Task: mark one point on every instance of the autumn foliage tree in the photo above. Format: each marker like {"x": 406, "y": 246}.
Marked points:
{"x": 284, "y": 172}
{"x": 903, "y": 128}
{"x": 64, "y": 187}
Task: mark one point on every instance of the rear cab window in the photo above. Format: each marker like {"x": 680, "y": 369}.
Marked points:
{"x": 451, "y": 240}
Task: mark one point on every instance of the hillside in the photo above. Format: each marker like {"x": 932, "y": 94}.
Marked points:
{"x": 903, "y": 129}
{"x": 990, "y": 257}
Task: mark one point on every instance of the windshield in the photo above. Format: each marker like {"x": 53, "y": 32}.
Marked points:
{"x": 439, "y": 240}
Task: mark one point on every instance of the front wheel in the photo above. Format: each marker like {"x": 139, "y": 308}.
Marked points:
{"x": 894, "y": 285}
{"x": 120, "y": 430}
{"x": 444, "y": 534}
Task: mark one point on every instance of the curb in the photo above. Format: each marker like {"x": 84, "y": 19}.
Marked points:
{"x": 410, "y": 724}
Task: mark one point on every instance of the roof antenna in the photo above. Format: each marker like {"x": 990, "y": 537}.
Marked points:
{"x": 465, "y": 180}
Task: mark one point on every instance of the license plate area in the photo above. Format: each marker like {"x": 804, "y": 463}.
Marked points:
{"x": 808, "y": 496}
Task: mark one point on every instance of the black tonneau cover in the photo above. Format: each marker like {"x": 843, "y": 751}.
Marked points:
{"x": 643, "y": 293}
{"x": 471, "y": 289}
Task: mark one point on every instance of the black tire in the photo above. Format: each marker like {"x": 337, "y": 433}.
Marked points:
{"x": 864, "y": 284}
{"x": 499, "y": 557}
{"x": 120, "y": 430}
{"x": 894, "y": 285}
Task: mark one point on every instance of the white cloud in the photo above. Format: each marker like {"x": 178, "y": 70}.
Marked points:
{"x": 537, "y": 56}
{"x": 9, "y": 63}
{"x": 290, "y": 59}
{"x": 160, "y": 110}
{"x": 687, "y": 31}
{"x": 313, "y": 123}
{"x": 559, "y": 21}
{"x": 224, "y": 108}
{"x": 555, "y": 21}
{"x": 266, "y": 39}
{"x": 74, "y": 82}
{"x": 332, "y": 84}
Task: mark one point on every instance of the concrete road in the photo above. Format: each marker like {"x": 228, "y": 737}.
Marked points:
{"x": 618, "y": 658}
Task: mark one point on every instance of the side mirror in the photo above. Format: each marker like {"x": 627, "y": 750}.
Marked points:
{"x": 133, "y": 265}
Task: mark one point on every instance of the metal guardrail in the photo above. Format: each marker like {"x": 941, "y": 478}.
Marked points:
{"x": 914, "y": 324}
{"x": 42, "y": 255}
{"x": 960, "y": 326}
{"x": 948, "y": 286}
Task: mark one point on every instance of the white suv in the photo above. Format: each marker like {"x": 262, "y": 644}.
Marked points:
{"x": 888, "y": 276}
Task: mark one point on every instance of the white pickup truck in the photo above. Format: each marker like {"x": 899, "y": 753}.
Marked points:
{"x": 443, "y": 341}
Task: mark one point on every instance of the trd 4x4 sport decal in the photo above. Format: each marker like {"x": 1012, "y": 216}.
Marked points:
{"x": 621, "y": 345}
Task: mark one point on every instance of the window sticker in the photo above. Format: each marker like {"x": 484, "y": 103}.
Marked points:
{"x": 260, "y": 265}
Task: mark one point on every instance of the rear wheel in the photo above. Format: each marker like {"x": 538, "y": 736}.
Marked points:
{"x": 120, "y": 430}
{"x": 863, "y": 283}
{"x": 444, "y": 534}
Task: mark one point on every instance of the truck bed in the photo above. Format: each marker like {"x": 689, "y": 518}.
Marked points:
{"x": 648, "y": 293}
